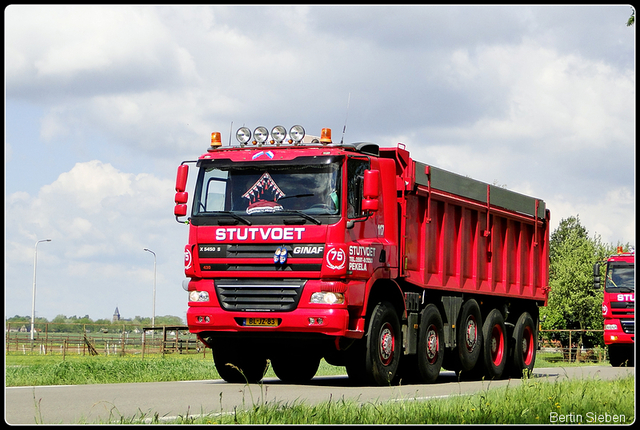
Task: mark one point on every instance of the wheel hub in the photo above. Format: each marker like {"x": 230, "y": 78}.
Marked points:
{"x": 386, "y": 345}
{"x": 432, "y": 345}
{"x": 471, "y": 334}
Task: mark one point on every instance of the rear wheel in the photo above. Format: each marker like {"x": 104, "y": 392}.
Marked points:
{"x": 494, "y": 352}
{"x": 469, "y": 335}
{"x": 524, "y": 348}
{"x": 430, "y": 344}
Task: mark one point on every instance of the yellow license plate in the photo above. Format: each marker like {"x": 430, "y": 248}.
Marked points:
{"x": 262, "y": 322}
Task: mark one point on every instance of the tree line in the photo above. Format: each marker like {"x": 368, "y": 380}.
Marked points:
{"x": 73, "y": 324}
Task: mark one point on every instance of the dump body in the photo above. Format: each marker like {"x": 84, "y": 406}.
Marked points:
{"x": 363, "y": 256}
{"x": 464, "y": 235}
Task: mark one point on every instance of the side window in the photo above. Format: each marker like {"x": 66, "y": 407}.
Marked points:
{"x": 355, "y": 175}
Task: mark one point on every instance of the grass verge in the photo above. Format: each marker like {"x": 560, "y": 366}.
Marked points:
{"x": 36, "y": 370}
{"x": 583, "y": 401}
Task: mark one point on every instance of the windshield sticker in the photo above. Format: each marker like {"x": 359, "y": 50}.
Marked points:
{"x": 263, "y": 195}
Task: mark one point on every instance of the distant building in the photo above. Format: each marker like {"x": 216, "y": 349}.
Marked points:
{"x": 116, "y": 315}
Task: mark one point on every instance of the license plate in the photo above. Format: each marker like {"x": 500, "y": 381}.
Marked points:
{"x": 262, "y": 322}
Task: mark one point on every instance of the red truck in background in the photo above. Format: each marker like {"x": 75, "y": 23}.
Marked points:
{"x": 301, "y": 249}
{"x": 618, "y": 306}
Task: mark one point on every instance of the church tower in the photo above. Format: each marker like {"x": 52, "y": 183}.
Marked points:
{"x": 116, "y": 315}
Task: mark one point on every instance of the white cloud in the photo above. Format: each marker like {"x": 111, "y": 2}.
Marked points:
{"x": 84, "y": 50}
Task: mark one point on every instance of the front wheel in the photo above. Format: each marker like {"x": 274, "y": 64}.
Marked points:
{"x": 237, "y": 365}
{"x": 380, "y": 349}
{"x": 295, "y": 368}
{"x": 621, "y": 355}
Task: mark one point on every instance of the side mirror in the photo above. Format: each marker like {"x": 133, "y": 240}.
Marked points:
{"x": 181, "y": 196}
{"x": 181, "y": 179}
{"x": 596, "y": 276}
{"x": 180, "y": 210}
{"x": 370, "y": 205}
{"x": 370, "y": 190}
{"x": 371, "y": 187}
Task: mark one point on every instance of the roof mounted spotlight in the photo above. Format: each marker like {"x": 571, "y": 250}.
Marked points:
{"x": 296, "y": 134}
{"x": 243, "y": 135}
{"x": 260, "y": 135}
{"x": 278, "y": 134}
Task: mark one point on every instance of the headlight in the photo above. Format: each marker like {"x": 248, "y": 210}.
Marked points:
{"x": 296, "y": 134}
{"x": 261, "y": 134}
{"x": 327, "y": 298}
{"x": 279, "y": 133}
{"x": 198, "y": 296}
{"x": 243, "y": 135}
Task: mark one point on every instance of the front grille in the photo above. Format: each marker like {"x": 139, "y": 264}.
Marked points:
{"x": 259, "y": 295}
{"x": 259, "y": 257}
{"x": 628, "y": 326}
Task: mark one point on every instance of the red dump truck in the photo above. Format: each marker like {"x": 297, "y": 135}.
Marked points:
{"x": 301, "y": 249}
{"x": 618, "y": 306}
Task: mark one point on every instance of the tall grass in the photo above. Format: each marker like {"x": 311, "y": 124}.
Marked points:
{"x": 589, "y": 401}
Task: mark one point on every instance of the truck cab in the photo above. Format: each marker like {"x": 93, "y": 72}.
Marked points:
{"x": 618, "y": 306}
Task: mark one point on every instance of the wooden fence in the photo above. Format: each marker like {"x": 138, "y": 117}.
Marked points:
{"x": 88, "y": 339}
{"x": 571, "y": 352}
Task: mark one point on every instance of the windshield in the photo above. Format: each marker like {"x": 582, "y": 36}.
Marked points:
{"x": 305, "y": 186}
{"x": 620, "y": 277}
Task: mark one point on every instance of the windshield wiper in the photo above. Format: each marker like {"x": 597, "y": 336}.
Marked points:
{"x": 299, "y": 213}
{"x": 232, "y": 215}
{"x": 297, "y": 196}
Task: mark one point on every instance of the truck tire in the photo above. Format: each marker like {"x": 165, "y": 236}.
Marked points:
{"x": 381, "y": 348}
{"x": 237, "y": 365}
{"x": 430, "y": 344}
{"x": 295, "y": 368}
{"x": 469, "y": 335}
{"x": 354, "y": 361}
{"x": 621, "y": 355}
{"x": 495, "y": 349}
{"x": 524, "y": 346}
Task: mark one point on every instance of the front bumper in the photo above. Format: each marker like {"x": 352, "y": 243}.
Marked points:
{"x": 618, "y": 335}
{"x": 303, "y": 317}
{"x": 332, "y": 321}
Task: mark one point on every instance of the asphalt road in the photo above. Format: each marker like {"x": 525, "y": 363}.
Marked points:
{"x": 105, "y": 403}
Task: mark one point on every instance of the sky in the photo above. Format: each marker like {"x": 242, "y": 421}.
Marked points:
{"x": 102, "y": 103}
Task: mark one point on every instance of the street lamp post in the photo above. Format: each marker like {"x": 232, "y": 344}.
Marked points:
{"x": 153, "y": 317}
{"x": 33, "y": 299}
